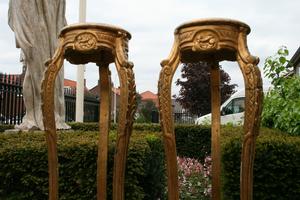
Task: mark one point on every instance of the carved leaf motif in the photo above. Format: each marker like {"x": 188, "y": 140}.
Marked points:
{"x": 186, "y": 36}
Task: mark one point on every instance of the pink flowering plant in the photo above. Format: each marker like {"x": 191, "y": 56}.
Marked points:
{"x": 194, "y": 178}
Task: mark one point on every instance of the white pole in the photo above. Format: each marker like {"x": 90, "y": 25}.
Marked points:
{"x": 80, "y": 71}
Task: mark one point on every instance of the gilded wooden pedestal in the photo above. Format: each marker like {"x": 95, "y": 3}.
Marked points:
{"x": 213, "y": 40}
{"x": 101, "y": 44}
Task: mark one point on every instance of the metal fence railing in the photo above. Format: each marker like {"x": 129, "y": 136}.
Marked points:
{"x": 180, "y": 117}
{"x": 12, "y": 108}
{"x": 184, "y": 117}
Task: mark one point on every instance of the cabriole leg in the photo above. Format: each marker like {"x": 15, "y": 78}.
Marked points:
{"x": 253, "y": 102}
{"x": 169, "y": 67}
{"x": 48, "y": 83}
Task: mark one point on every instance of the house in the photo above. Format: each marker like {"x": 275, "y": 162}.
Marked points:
{"x": 295, "y": 61}
{"x": 149, "y": 96}
{"x": 115, "y": 99}
{"x": 70, "y": 87}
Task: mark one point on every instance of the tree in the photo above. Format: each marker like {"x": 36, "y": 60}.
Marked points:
{"x": 194, "y": 94}
{"x": 282, "y": 104}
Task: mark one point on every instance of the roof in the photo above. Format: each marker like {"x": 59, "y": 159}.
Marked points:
{"x": 11, "y": 78}
{"x": 70, "y": 83}
{"x": 95, "y": 90}
{"x": 148, "y": 95}
{"x": 295, "y": 60}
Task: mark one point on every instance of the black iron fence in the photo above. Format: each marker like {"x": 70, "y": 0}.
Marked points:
{"x": 12, "y": 107}
{"x": 184, "y": 117}
{"x": 180, "y": 117}
{"x": 91, "y": 107}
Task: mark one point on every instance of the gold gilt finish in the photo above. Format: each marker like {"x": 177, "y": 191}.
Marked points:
{"x": 101, "y": 44}
{"x": 213, "y": 40}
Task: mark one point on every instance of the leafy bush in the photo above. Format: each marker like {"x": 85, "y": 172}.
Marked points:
{"x": 24, "y": 169}
{"x": 276, "y": 166}
{"x": 193, "y": 141}
{"x": 282, "y": 107}
{"x": 282, "y": 104}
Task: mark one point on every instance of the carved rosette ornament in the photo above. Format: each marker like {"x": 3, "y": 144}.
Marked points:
{"x": 85, "y": 41}
{"x": 205, "y": 40}
{"x": 213, "y": 40}
{"x": 101, "y": 44}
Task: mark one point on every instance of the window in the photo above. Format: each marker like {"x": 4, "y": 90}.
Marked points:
{"x": 234, "y": 106}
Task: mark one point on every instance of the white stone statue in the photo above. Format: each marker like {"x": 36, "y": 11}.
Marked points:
{"x": 36, "y": 24}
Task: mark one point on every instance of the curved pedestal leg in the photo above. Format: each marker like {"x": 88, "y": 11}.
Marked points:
{"x": 254, "y": 95}
{"x": 215, "y": 131}
{"x": 126, "y": 115}
{"x": 104, "y": 123}
{"x": 49, "y": 119}
{"x": 169, "y": 67}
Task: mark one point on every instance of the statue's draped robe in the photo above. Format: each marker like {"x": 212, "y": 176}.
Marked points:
{"x": 36, "y": 24}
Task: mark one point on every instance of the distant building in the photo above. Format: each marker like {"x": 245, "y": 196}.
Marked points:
{"x": 70, "y": 87}
{"x": 148, "y": 95}
{"x": 295, "y": 61}
{"x": 115, "y": 98}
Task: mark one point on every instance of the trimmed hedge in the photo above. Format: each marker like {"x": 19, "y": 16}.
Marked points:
{"x": 192, "y": 141}
{"x": 94, "y": 126}
{"x": 276, "y": 166}
{"x": 24, "y": 170}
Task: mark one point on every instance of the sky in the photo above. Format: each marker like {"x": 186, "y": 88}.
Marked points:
{"x": 152, "y": 23}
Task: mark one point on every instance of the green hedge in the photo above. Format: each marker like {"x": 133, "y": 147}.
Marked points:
{"x": 191, "y": 140}
{"x": 276, "y": 167}
{"x": 94, "y": 126}
{"x": 23, "y": 169}
{"x": 4, "y": 127}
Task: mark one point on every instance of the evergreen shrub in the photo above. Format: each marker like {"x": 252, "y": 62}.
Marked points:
{"x": 24, "y": 167}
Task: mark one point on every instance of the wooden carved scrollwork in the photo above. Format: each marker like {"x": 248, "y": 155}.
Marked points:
{"x": 254, "y": 96}
{"x": 126, "y": 115}
{"x": 212, "y": 41}
{"x": 101, "y": 44}
{"x": 169, "y": 67}
{"x": 47, "y": 94}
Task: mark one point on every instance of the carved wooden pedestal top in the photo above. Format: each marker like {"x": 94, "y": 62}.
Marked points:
{"x": 101, "y": 44}
{"x": 84, "y": 43}
{"x": 213, "y": 40}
